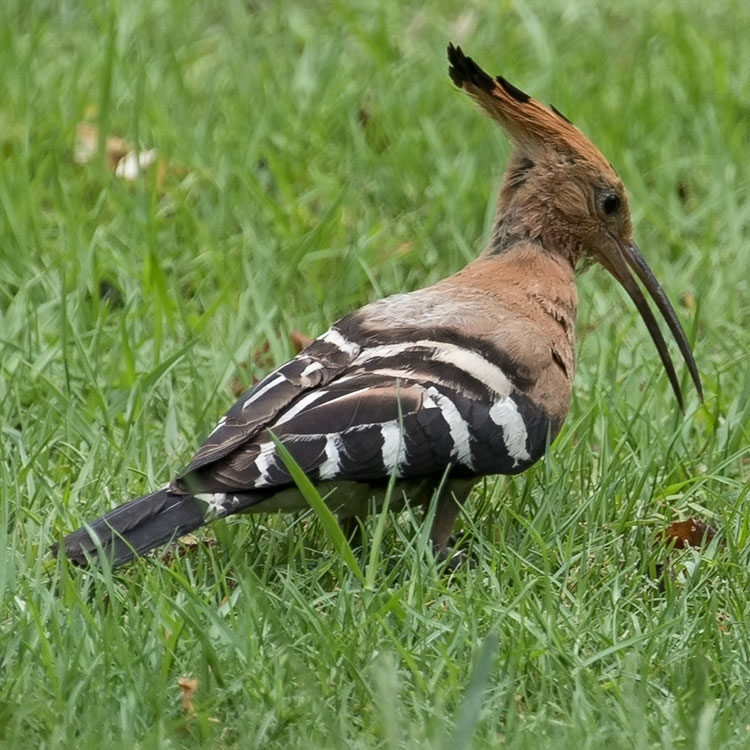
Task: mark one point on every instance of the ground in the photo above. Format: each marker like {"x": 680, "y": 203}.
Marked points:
{"x": 309, "y": 159}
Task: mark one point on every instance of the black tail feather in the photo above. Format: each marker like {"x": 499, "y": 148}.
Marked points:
{"x": 135, "y": 528}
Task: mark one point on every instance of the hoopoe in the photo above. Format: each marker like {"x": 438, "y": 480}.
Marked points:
{"x": 471, "y": 376}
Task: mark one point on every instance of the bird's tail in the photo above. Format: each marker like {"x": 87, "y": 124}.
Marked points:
{"x": 136, "y": 527}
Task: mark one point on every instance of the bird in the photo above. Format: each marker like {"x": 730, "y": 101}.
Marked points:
{"x": 435, "y": 388}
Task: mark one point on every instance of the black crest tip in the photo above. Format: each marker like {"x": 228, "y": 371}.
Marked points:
{"x": 464, "y": 70}
{"x": 516, "y": 93}
{"x": 560, "y": 114}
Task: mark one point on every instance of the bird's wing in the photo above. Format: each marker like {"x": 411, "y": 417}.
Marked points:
{"x": 313, "y": 368}
{"x": 361, "y": 404}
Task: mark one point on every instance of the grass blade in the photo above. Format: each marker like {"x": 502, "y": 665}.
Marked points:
{"x": 327, "y": 519}
{"x": 468, "y": 712}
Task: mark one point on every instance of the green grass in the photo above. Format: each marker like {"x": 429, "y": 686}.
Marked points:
{"x": 319, "y": 157}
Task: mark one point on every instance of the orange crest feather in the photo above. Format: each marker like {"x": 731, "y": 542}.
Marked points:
{"x": 530, "y": 125}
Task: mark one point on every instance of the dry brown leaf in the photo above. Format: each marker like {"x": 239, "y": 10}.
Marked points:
{"x": 262, "y": 361}
{"x": 299, "y": 341}
{"x": 690, "y": 533}
{"x": 688, "y": 301}
{"x": 680, "y": 535}
{"x": 87, "y": 146}
{"x": 399, "y": 251}
{"x": 237, "y": 386}
{"x": 189, "y": 540}
{"x": 188, "y": 687}
{"x": 259, "y": 355}
{"x": 186, "y": 544}
{"x": 240, "y": 384}
{"x": 721, "y": 619}
{"x": 134, "y": 162}
{"x": 121, "y": 156}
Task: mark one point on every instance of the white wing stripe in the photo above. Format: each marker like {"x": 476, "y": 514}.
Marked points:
{"x": 468, "y": 361}
{"x": 304, "y": 403}
{"x": 393, "y": 450}
{"x": 457, "y": 426}
{"x": 311, "y": 368}
{"x": 330, "y": 467}
{"x": 265, "y": 459}
{"x": 334, "y": 337}
{"x": 215, "y": 502}
{"x": 504, "y": 413}
{"x": 263, "y": 389}
{"x": 221, "y": 423}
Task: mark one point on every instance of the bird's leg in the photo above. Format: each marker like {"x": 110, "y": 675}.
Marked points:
{"x": 362, "y": 500}
{"x": 452, "y": 496}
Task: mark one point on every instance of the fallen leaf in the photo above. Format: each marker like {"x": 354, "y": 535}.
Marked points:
{"x": 87, "y": 146}
{"x": 259, "y": 355}
{"x": 121, "y": 156}
{"x": 238, "y": 386}
{"x": 189, "y": 540}
{"x": 261, "y": 361}
{"x": 134, "y": 162}
{"x": 688, "y": 301}
{"x": 680, "y": 535}
{"x": 188, "y": 687}
{"x": 186, "y": 544}
{"x": 721, "y": 619}
{"x": 299, "y": 341}
{"x": 399, "y": 251}
{"x": 689, "y": 533}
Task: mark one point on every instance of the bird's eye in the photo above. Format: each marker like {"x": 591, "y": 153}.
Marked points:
{"x": 611, "y": 203}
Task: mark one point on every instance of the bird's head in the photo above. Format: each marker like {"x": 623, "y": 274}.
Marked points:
{"x": 561, "y": 193}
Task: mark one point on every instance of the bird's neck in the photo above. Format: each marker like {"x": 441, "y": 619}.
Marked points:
{"x": 528, "y": 271}
{"x": 530, "y": 306}
{"x": 526, "y": 214}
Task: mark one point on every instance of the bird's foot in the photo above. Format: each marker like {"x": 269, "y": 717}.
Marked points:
{"x": 453, "y": 559}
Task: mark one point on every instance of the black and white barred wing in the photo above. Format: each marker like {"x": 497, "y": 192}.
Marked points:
{"x": 326, "y": 358}
{"x": 358, "y": 428}
{"x": 411, "y": 407}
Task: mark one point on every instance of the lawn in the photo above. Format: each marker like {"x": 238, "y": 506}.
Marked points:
{"x": 311, "y": 157}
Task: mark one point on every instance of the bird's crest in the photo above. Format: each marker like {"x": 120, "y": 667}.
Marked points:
{"x": 529, "y": 124}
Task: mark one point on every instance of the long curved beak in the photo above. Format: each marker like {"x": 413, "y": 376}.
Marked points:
{"x": 617, "y": 263}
